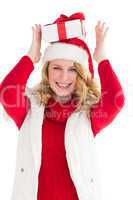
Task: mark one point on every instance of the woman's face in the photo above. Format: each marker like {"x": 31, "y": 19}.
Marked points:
{"x": 62, "y": 77}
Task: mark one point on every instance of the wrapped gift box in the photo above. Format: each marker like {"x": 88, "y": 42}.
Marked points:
{"x": 64, "y": 30}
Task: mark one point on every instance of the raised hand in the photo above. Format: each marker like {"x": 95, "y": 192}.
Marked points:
{"x": 34, "y": 51}
{"x": 101, "y": 33}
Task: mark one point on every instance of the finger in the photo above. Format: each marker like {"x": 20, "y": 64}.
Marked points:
{"x": 35, "y": 26}
{"x": 100, "y": 27}
{"x": 106, "y": 31}
{"x": 103, "y": 26}
{"x": 35, "y": 30}
{"x": 32, "y": 29}
{"x": 39, "y": 27}
{"x": 97, "y": 25}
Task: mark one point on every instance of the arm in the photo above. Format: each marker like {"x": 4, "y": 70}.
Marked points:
{"x": 13, "y": 86}
{"x": 112, "y": 98}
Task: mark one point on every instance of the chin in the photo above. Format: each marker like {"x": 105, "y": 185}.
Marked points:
{"x": 63, "y": 94}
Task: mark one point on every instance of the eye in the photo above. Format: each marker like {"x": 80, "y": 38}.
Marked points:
{"x": 73, "y": 69}
{"x": 57, "y": 68}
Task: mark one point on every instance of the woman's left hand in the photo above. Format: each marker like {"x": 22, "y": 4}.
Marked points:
{"x": 101, "y": 33}
{"x": 34, "y": 52}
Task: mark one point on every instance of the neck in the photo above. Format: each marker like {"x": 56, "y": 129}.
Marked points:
{"x": 62, "y": 99}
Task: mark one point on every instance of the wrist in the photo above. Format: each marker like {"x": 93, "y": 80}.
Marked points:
{"x": 99, "y": 60}
{"x": 29, "y": 57}
{"x": 99, "y": 56}
{"x": 29, "y": 54}
{"x": 34, "y": 54}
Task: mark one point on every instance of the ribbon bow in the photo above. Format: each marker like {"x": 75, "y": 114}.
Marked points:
{"x": 61, "y": 23}
{"x": 64, "y": 18}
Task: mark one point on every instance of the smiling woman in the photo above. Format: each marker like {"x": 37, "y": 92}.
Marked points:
{"x": 65, "y": 80}
{"x": 62, "y": 78}
{"x": 55, "y": 153}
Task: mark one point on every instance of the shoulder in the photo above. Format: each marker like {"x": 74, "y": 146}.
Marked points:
{"x": 31, "y": 93}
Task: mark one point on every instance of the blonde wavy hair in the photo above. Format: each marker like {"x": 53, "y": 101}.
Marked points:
{"x": 86, "y": 93}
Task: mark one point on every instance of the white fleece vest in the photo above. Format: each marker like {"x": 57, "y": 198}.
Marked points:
{"x": 80, "y": 154}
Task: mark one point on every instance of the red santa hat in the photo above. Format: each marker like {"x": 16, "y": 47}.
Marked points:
{"x": 72, "y": 49}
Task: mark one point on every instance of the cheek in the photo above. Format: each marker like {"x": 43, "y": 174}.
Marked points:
{"x": 53, "y": 75}
{"x": 73, "y": 78}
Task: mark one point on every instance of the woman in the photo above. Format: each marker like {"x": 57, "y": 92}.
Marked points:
{"x": 59, "y": 118}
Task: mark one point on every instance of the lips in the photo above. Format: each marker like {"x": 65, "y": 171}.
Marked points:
{"x": 63, "y": 85}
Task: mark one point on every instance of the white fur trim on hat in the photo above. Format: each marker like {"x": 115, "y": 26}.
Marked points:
{"x": 60, "y": 50}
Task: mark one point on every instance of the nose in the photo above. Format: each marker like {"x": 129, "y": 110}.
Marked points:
{"x": 64, "y": 75}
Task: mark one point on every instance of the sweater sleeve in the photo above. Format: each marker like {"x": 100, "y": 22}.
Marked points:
{"x": 111, "y": 101}
{"x": 12, "y": 91}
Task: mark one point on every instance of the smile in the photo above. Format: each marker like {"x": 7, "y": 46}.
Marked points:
{"x": 63, "y": 85}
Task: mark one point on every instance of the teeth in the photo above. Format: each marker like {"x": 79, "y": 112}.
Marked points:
{"x": 63, "y": 85}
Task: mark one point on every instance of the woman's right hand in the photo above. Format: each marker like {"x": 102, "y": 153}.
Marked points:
{"x": 34, "y": 51}
{"x": 101, "y": 33}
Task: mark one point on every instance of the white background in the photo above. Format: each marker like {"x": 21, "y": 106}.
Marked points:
{"x": 113, "y": 144}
